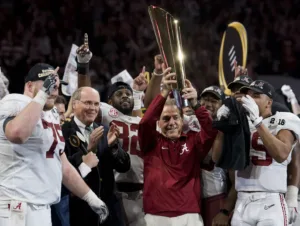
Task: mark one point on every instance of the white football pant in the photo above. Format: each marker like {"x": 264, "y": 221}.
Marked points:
{"x": 189, "y": 219}
{"x": 297, "y": 222}
{"x": 260, "y": 209}
{"x": 133, "y": 206}
{"x": 16, "y": 213}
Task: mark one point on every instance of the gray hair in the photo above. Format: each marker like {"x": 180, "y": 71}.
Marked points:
{"x": 77, "y": 94}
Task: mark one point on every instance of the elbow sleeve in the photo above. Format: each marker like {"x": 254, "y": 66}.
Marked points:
{"x": 7, "y": 120}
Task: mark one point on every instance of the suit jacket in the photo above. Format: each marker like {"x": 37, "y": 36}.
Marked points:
{"x": 100, "y": 179}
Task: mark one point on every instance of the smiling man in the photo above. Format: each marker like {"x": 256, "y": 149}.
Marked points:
{"x": 211, "y": 98}
{"x": 95, "y": 152}
{"x": 172, "y": 158}
{"x": 122, "y": 101}
{"x": 33, "y": 164}
{"x": 261, "y": 185}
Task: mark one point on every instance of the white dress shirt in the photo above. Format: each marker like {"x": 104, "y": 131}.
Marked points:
{"x": 84, "y": 169}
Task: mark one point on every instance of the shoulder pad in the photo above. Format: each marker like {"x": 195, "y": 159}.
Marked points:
{"x": 12, "y": 104}
{"x": 287, "y": 121}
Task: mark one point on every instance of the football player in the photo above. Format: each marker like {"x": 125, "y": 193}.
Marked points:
{"x": 119, "y": 111}
{"x": 124, "y": 104}
{"x": 33, "y": 164}
{"x": 214, "y": 179}
{"x": 262, "y": 184}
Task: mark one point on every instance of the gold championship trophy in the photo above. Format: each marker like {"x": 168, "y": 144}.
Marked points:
{"x": 168, "y": 37}
{"x": 234, "y": 47}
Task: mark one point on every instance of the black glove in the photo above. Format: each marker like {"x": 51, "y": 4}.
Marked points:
{"x": 50, "y": 84}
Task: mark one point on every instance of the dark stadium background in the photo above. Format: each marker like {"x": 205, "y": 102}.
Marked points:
{"x": 121, "y": 36}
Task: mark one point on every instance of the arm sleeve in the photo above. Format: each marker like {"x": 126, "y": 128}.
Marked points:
{"x": 6, "y": 121}
{"x": 147, "y": 133}
{"x": 121, "y": 159}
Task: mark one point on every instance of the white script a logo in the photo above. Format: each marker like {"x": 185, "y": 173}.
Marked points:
{"x": 184, "y": 149}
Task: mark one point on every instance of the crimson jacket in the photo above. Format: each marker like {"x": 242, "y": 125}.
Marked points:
{"x": 171, "y": 168}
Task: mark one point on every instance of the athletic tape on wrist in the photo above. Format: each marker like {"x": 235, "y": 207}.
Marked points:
{"x": 41, "y": 98}
{"x": 257, "y": 122}
{"x": 90, "y": 197}
{"x": 294, "y": 100}
{"x": 137, "y": 97}
{"x": 291, "y": 196}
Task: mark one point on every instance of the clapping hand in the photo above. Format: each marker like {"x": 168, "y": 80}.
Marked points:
{"x": 113, "y": 134}
{"x": 95, "y": 137}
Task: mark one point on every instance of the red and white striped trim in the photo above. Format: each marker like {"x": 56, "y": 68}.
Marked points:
{"x": 282, "y": 202}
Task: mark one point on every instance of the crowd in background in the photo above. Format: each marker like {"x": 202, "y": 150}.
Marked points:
{"x": 121, "y": 36}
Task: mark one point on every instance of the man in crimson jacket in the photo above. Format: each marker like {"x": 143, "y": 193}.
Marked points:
{"x": 172, "y": 159}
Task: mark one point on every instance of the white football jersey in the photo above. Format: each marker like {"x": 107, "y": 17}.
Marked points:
{"x": 264, "y": 174}
{"x": 128, "y": 139}
{"x": 32, "y": 171}
{"x": 214, "y": 181}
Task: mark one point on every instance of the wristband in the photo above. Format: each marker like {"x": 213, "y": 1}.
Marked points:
{"x": 154, "y": 73}
{"x": 294, "y": 100}
{"x": 137, "y": 98}
{"x": 90, "y": 197}
{"x": 82, "y": 68}
{"x": 197, "y": 106}
{"x": 291, "y": 196}
{"x": 225, "y": 212}
{"x": 257, "y": 122}
{"x": 41, "y": 98}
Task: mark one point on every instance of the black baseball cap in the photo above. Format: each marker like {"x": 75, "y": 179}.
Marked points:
{"x": 243, "y": 80}
{"x": 261, "y": 87}
{"x": 214, "y": 90}
{"x": 41, "y": 71}
{"x": 116, "y": 86}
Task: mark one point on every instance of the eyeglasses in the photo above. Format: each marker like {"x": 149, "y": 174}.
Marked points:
{"x": 90, "y": 103}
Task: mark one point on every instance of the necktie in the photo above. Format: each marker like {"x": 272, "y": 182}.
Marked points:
{"x": 88, "y": 130}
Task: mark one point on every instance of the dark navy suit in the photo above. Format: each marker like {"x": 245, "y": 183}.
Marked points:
{"x": 100, "y": 179}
